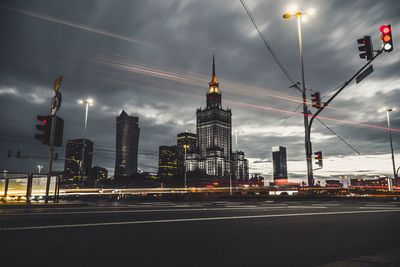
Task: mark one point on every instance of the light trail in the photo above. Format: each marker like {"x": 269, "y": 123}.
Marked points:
{"x": 78, "y": 26}
{"x": 180, "y": 77}
{"x": 339, "y": 121}
{"x": 196, "y": 79}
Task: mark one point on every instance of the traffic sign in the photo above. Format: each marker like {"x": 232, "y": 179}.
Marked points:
{"x": 55, "y": 103}
{"x": 364, "y": 74}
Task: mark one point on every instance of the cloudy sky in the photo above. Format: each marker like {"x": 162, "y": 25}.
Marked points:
{"x": 153, "y": 59}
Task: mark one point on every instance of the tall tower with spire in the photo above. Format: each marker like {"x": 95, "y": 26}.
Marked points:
{"x": 214, "y": 131}
{"x": 213, "y": 94}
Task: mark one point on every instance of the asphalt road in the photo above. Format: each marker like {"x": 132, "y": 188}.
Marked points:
{"x": 221, "y": 233}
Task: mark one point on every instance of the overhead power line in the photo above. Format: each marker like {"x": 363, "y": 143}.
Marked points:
{"x": 266, "y": 43}
{"x": 355, "y": 150}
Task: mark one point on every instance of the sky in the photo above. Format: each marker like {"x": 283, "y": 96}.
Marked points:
{"x": 153, "y": 60}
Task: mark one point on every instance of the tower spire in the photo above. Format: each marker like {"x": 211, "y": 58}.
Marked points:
{"x": 213, "y": 65}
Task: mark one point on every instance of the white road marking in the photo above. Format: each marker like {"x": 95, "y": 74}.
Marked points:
{"x": 141, "y": 211}
{"x": 306, "y": 207}
{"x": 327, "y": 204}
{"x": 190, "y": 220}
{"x": 386, "y": 208}
{"x": 380, "y": 205}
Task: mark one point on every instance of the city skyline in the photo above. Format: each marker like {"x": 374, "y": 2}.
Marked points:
{"x": 124, "y": 68}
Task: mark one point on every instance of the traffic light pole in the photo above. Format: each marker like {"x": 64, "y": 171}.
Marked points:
{"x": 341, "y": 88}
{"x": 51, "y": 154}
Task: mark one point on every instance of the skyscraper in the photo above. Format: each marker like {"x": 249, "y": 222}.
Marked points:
{"x": 279, "y": 164}
{"x": 182, "y": 139}
{"x": 214, "y": 132}
{"x": 167, "y": 167}
{"x": 128, "y": 131}
{"x": 240, "y": 166}
{"x": 73, "y": 156}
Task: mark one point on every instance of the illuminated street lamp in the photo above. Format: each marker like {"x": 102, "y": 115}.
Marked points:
{"x": 185, "y": 147}
{"x": 387, "y": 110}
{"x": 294, "y": 12}
{"x": 87, "y": 102}
{"x": 39, "y": 168}
{"x": 236, "y": 148}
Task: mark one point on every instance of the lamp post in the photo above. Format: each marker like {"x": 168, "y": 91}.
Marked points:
{"x": 185, "y": 147}
{"x": 39, "y": 168}
{"x": 87, "y": 102}
{"x": 387, "y": 110}
{"x": 306, "y": 112}
{"x": 236, "y": 148}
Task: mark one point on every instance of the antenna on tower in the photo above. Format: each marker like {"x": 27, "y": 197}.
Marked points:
{"x": 213, "y": 65}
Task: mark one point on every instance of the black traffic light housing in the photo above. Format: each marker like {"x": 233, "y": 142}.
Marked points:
{"x": 318, "y": 158}
{"x": 44, "y": 123}
{"x": 386, "y": 37}
{"x": 366, "y": 47}
{"x": 9, "y": 153}
{"x": 316, "y": 100}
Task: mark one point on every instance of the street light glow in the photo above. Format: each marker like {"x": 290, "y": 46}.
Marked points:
{"x": 292, "y": 9}
{"x": 384, "y": 109}
{"x": 89, "y": 101}
{"x": 311, "y": 11}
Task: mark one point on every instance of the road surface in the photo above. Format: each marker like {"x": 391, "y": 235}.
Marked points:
{"x": 202, "y": 233}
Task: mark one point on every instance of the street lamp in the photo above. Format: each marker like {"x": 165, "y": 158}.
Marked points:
{"x": 294, "y": 12}
{"x": 185, "y": 147}
{"x": 236, "y": 148}
{"x": 87, "y": 102}
{"x": 387, "y": 110}
{"x": 39, "y": 168}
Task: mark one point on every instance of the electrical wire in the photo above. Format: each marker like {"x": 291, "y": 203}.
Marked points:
{"x": 355, "y": 150}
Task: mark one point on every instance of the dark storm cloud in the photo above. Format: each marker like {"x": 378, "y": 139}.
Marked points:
{"x": 152, "y": 58}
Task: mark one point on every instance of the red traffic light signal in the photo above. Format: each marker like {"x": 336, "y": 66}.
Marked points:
{"x": 43, "y": 124}
{"x": 386, "y": 37}
{"x": 365, "y": 47}
{"x": 44, "y": 128}
{"x": 318, "y": 158}
{"x": 316, "y": 100}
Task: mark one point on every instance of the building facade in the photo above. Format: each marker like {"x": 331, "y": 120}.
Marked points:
{"x": 240, "y": 166}
{"x": 185, "y": 141}
{"x": 167, "y": 161}
{"x": 279, "y": 163}
{"x": 99, "y": 174}
{"x": 73, "y": 157}
{"x": 214, "y": 132}
{"x": 127, "y": 145}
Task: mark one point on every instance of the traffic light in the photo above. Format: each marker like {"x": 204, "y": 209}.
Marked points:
{"x": 18, "y": 154}
{"x": 318, "y": 158}
{"x": 44, "y": 126}
{"x": 56, "y": 156}
{"x": 9, "y": 153}
{"x": 316, "y": 100}
{"x": 58, "y": 133}
{"x": 365, "y": 47}
{"x": 386, "y": 37}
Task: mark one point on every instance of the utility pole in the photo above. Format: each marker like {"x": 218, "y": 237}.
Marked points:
{"x": 51, "y": 154}
{"x": 306, "y": 112}
{"x": 55, "y": 105}
{"x": 307, "y": 141}
{"x": 185, "y": 146}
